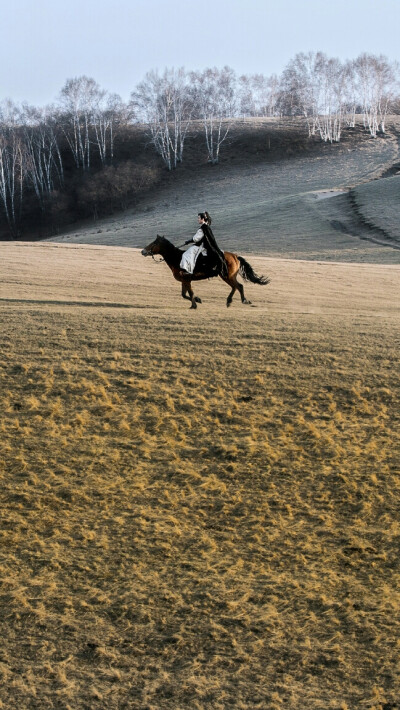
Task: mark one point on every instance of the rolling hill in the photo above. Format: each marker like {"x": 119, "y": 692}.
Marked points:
{"x": 269, "y": 202}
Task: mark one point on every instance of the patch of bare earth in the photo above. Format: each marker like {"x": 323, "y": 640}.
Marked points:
{"x": 200, "y": 509}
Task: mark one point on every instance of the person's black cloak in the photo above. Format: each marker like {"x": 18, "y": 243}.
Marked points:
{"x": 215, "y": 257}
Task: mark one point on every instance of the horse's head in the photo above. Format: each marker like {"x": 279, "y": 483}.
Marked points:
{"x": 154, "y": 247}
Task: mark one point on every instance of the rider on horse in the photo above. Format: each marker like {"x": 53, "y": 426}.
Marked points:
{"x": 204, "y": 244}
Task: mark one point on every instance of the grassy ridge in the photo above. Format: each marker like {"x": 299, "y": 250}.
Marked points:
{"x": 264, "y": 201}
{"x": 199, "y": 509}
{"x": 378, "y": 203}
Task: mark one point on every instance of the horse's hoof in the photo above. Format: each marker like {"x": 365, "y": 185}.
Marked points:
{"x": 228, "y": 303}
{"x": 246, "y": 302}
{"x": 197, "y": 299}
{"x": 194, "y": 305}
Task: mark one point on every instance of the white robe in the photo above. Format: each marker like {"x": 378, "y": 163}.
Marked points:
{"x": 189, "y": 258}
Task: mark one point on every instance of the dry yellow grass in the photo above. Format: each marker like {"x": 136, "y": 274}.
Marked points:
{"x": 200, "y": 509}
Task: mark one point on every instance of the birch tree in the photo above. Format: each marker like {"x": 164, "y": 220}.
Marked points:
{"x": 330, "y": 98}
{"x": 377, "y": 80}
{"x": 11, "y": 166}
{"x": 268, "y": 96}
{"x": 257, "y": 95}
{"x": 165, "y": 104}
{"x": 80, "y": 99}
{"x": 216, "y": 102}
{"x": 245, "y": 96}
{"x": 147, "y": 109}
{"x": 43, "y": 161}
{"x": 104, "y": 118}
{"x": 351, "y": 102}
{"x": 364, "y": 73}
{"x": 300, "y": 89}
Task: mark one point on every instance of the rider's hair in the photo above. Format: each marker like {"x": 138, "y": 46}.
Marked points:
{"x": 205, "y": 216}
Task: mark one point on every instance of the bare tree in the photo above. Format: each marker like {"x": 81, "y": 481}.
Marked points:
{"x": 268, "y": 96}
{"x": 146, "y": 108}
{"x": 330, "y": 98}
{"x": 245, "y": 96}
{"x": 104, "y": 118}
{"x": 216, "y": 102}
{"x": 80, "y": 99}
{"x": 165, "y": 104}
{"x": 300, "y": 89}
{"x": 11, "y": 166}
{"x": 43, "y": 161}
{"x": 350, "y": 100}
{"x": 376, "y": 81}
{"x": 258, "y": 95}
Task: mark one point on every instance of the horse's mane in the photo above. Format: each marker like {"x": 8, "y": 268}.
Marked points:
{"x": 171, "y": 247}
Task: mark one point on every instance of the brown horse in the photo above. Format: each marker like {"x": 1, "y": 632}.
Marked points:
{"x": 235, "y": 264}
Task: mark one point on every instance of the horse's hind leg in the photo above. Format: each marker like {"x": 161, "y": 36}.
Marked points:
{"x": 236, "y": 286}
{"x": 231, "y": 281}
{"x": 230, "y": 297}
{"x": 241, "y": 291}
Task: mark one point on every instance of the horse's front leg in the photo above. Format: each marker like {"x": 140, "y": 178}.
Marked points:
{"x": 184, "y": 292}
{"x": 241, "y": 291}
{"x": 236, "y": 286}
{"x": 194, "y": 300}
{"x": 187, "y": 289}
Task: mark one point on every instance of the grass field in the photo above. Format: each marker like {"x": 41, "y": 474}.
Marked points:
{"x": 200, "y": 509}
{"x": 267, "y": 202}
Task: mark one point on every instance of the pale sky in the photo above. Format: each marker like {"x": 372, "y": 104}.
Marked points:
{"x": 45, "y": 42}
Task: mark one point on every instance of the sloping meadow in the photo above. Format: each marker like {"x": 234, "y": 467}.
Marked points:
{"x": 266, "y": 202}
{"x": 378, "y": 203}
{"x": 198, "y": 511}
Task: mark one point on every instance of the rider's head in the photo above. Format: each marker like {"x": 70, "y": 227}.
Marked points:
{"x": 204, "y": 217}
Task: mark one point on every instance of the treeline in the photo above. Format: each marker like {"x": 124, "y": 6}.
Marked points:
{"x": 326, "y": 92}
{"x": 58, "y": 163}
{"x": 67, "y": 157}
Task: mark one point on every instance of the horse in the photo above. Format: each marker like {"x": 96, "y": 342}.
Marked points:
{"x": 172, "y": 256}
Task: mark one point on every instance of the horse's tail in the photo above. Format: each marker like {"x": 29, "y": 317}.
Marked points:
{"x": 246, "y": 271}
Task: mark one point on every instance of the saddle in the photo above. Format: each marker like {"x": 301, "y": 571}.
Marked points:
{"x": 208, "y": 267}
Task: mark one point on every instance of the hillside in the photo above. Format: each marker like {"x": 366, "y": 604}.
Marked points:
{"x": 200, "y": 509}
{"x": 378, "y": 203}
{"x": 266, "y": 197}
